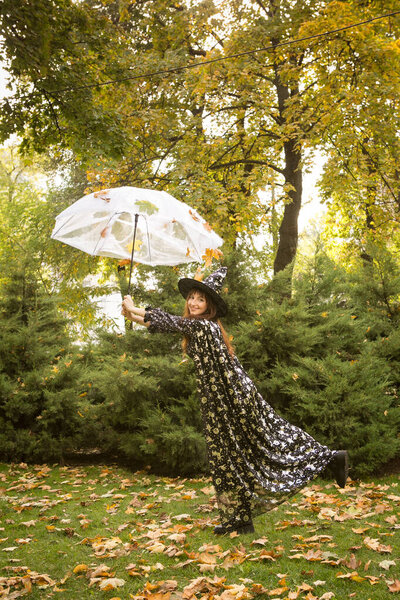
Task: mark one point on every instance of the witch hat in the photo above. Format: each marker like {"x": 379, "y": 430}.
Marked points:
{"x": 211, "y": 286}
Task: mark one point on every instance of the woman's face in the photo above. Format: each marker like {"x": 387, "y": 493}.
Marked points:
{"x": 197, "y": 303}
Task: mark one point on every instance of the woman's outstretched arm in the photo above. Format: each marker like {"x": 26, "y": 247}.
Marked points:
{"x": 133, "y": 313}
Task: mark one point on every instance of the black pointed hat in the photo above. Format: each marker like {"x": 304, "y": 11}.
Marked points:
{"x": 211, "y": 286}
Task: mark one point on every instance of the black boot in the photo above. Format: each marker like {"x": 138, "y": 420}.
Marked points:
{"x": 340, "y": 467}
{"x": 232, "y": 525}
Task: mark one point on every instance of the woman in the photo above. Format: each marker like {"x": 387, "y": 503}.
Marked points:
{"x": 257, "y": 459}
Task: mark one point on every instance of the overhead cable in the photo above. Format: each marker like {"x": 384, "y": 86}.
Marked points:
{"x": 222, "y": 58}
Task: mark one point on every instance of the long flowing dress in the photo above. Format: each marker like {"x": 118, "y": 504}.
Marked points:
{"x": 257, "y": 459}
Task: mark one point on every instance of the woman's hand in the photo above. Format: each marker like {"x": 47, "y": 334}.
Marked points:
{"x": 127, "y": 307}
{"x": 127, "y": 304}
{"x": 132, "y": 312}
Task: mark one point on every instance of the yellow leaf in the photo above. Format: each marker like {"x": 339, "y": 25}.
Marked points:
{"x": 138, "y": 245}
{"x": 82, "y": 568}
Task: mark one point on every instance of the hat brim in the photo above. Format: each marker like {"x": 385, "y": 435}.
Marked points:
{"x": 186, "y": 284}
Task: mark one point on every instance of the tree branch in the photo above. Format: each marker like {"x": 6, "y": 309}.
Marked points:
{"x": 247, "y": 161}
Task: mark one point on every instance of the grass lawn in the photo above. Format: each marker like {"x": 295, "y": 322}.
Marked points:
{"x": 104, "y": 532}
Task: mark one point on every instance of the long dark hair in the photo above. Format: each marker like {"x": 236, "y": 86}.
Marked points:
{"x": 211, "y": 315}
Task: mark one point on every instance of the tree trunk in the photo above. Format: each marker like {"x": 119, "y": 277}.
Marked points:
{"x": 288, "y": 230}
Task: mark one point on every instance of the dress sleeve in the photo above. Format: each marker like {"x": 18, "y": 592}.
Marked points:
{"x": 163, "y": 322}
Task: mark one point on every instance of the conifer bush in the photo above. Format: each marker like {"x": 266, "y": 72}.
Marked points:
{"x": 38, "y": 373}
{"x": 141, "y": 407}
{"x": 327, "y": 358}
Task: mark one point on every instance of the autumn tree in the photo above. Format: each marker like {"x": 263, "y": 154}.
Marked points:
{"x": 360, "y": 68}
{"x": 216, "y": 133}
{"x": 56, "y": 52}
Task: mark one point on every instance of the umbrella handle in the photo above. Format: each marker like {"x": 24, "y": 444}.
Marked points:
{"x": 133, "y": 250}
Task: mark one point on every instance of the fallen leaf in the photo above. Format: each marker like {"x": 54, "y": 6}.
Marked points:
{"x": 99, "y": 571}
{"x": 386, "y": 564}
{"x": 352, "y": 562}
{"x": 210, "y": 548}
{"x": 80, "y": 568}
{"x": 374, "y": 544}
{"x": 177, "y": 537}
{"x": 354, "y": 576}
{"x": 111, "y": 583}
{"x": 277, "y": 591}
{"x": 205, "y": 557}
{"x": 394, "y": 586}
{"x": 261, "y": 541}
{"x": 392, "y": 519}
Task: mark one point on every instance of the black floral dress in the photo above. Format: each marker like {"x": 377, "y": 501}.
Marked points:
{"x": 257, "y": 459}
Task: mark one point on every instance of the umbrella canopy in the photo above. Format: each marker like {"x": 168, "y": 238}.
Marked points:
{"x": 152, "y": 225}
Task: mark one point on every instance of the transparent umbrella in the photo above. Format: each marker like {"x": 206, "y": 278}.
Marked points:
{"x": 127, "y": 222}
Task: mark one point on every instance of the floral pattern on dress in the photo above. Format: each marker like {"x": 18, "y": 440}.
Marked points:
{"x": 257, "y": 459}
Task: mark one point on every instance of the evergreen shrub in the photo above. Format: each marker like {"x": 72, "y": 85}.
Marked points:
{"x": 327, "y": 359}
{"x": 141, "y": 407}
{"x": 39, "y": 369}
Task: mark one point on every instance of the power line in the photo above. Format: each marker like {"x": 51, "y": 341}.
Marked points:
{"x": 223, "y": 58}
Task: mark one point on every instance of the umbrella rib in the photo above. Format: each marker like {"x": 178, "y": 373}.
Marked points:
{"x": 61, "y": 226}
{"x": 173, "y": 242}
{"x": 148, "y": 237}
{"x": 132, "y": 253}
{"x": 99, "y": 240}
{"x": 194, "y": 245}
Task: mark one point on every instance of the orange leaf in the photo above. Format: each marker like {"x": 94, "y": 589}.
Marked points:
{"x": 195, "y": 217}
{"x": 102, "y": 195}
{"x": 210, "y": 254}
{"x": 198, "y": 276}
{"x": 394, "y": 587}
{"x": 277, "y": 591}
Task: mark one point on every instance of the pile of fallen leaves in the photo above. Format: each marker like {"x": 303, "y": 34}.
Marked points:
{"x": 126, "y": 534}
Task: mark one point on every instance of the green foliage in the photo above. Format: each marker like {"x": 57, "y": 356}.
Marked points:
{"x": 326, "y": 359}
{"x": 55, "y": 52}
{"x": 38, "y": 372}
{"x": 39, "y": 368}
{"x": 216, "y": 134}
{"x": 140, "y": 404}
